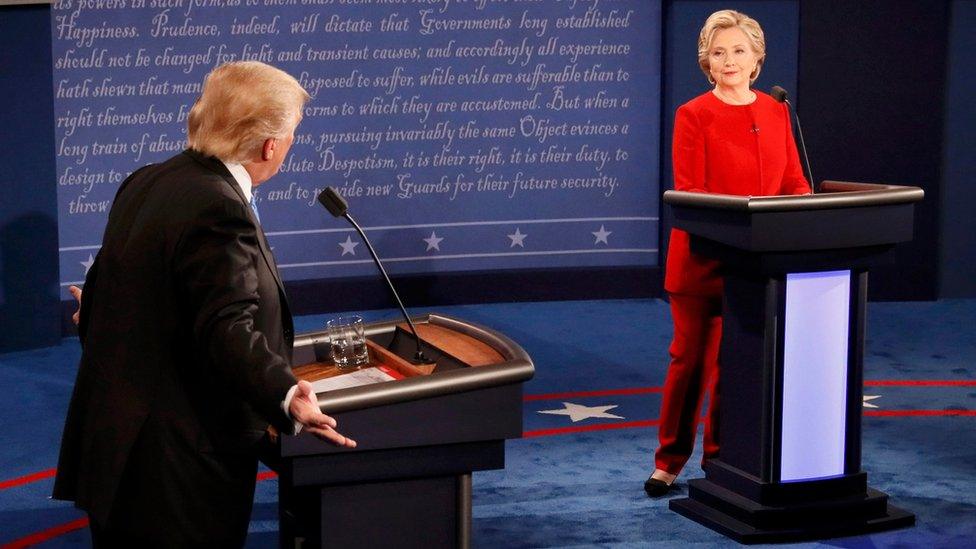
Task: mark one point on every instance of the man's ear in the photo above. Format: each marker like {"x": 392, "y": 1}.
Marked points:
{"x": 267, "y": 150}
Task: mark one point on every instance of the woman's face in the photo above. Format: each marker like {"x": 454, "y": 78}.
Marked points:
{"x": 731, "y": 59}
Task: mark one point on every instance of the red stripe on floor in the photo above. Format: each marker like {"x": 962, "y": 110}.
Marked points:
{"x": 584, "y": 394}
{"x": 918, "y": 413}
{"x": 61, "y": 529}
{"x": 587, "y": 428}
{"x": 33, "y": 477}
{"x": 646, "y": 390}
{"x": 920, "y": 383}
{"x": 41, "y": 475}
{"x": 46, "y": 535}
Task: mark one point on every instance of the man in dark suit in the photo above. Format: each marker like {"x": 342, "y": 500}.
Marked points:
{"x": 186, "y": 333}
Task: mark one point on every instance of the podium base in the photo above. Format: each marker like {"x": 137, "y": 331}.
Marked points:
{"x": 749, "y": 522}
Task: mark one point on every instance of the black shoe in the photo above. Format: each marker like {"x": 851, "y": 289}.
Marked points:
{"x": 656, "y": 488}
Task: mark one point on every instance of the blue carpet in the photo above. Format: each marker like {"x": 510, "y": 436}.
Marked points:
{"x": 584, "y": 489}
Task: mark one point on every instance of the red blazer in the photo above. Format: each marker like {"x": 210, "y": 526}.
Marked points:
{"x": 728, "y": 149}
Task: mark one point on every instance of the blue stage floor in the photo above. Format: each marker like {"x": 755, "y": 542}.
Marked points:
{"x": 579, "y": 484}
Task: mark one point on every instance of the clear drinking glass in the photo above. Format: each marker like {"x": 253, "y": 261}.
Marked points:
{"x": 347, "y": 341}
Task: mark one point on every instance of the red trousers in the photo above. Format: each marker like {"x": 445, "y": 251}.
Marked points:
{"x": 693, "y": 372}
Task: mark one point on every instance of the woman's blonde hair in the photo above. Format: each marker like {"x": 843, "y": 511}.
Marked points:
{"x": 727, "y": 19}
{"x": 244, "y": 103}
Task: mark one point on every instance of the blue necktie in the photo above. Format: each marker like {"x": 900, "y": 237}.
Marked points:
{"x": 254, "y": 207}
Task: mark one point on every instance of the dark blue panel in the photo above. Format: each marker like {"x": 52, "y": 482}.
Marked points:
{"x": 958, "y": 262}
{"x": 873, "y": 81}
{"x": 29, "y": 309}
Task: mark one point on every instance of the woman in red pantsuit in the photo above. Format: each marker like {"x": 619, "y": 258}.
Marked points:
{"x": 729, "y": 140}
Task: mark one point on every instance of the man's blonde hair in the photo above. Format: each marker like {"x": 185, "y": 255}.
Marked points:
{"x": 244, "y": 103}
{"x": 727, "y": 19}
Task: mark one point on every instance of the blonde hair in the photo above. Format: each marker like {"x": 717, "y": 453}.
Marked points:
{"x": 727, "y": 19}
{"x": 244, "y": 103}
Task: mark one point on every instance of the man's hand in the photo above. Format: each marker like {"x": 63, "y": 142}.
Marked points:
{"x": 305, "y": 409}
{"x": 76, "y": 293}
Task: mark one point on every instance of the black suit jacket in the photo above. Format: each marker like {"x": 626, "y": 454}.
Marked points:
{"x": 187, "y": 339}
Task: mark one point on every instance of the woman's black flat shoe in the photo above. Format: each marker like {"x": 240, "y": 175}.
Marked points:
{"x": 656, "y": 488}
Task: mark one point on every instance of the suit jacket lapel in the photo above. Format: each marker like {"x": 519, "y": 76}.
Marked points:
{"x": 218, "y": 167}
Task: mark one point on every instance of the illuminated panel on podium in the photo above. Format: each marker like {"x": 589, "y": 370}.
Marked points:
{"x": 815, "y": 350}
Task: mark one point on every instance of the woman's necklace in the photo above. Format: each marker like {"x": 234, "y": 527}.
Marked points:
{"x": 750, "y": 97}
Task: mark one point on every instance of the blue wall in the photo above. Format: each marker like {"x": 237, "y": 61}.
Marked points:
{"x": 359, "y": 134}
{"x": 872, "y": 78}
{"x": 958, "y": 231}
{"x": 29, "y": 306}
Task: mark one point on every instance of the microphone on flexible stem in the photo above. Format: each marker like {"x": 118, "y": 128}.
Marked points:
{"x": 780, "y": 95}
{"x": 338, "y": 207}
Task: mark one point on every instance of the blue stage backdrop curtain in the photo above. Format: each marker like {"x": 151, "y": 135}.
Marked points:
{"x": 466, "y": 135}
{"x": 958, "y": 235}
{"x": 29, "y": 299}
{"x": 864, "y": 124}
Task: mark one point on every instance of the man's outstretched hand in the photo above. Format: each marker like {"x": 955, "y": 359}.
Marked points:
{"x": 76, "y": 293}
{"x": 304, "y": 409}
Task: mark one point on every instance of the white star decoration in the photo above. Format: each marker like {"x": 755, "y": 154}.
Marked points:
{"x": 578, "y": 412}
{"x": 348, "y": 247}
{"x": 867, "y": 398}
{"x": 88, "y": 264}
{"x": 601, "y": 235}
{"x": 433, "y": 242}
{"x": 518, "y": 239}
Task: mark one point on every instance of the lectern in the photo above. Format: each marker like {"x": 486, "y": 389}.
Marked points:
{"x": 795, "y": 270}
{"x": 408, "y": 482}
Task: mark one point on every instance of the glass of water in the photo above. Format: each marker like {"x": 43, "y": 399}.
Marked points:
{"x": 347, "y": 341}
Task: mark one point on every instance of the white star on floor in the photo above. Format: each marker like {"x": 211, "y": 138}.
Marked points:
{"x": 348, "y": 247}
{"x": 88, "y": 264}
{"x": 870, "y": 397}
{"x": 433, "y": 242}
{"x": 578, "y": 412}
{"x": 518, "y": 239}
{"x": 601, "y": 235}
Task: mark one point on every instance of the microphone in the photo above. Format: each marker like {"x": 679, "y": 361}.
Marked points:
{"x": 780, "y": 95}
{"x": 338, "y": 207}
{"x": 334, "y": 202}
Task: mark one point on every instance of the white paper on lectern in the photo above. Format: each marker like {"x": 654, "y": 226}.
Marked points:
{"x": 366, "y": 376}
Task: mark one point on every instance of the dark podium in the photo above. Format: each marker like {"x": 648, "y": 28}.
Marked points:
{"x": 408, "y": 482}
{"x": 791, "y": 358}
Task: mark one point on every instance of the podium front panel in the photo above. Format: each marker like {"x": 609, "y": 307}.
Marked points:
{"x": 815, "y": 365}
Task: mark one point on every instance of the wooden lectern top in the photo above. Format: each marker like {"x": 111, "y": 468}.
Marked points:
{"x": 481, "y": 358}
{"x": 469, "y": 350}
